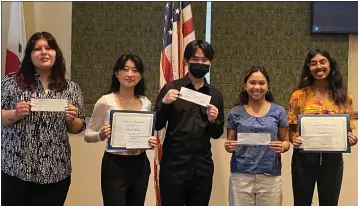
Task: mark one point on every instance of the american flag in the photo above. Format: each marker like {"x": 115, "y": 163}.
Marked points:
{"x": 178, "y": 31}
{"x": 16, "y": 39}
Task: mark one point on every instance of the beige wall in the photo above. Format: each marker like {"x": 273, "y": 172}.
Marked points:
{"x": 55, "y": 17}
{"x": 5, "y": 13}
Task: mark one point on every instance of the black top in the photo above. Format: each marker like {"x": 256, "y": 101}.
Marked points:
{"x": 187, "y": 147}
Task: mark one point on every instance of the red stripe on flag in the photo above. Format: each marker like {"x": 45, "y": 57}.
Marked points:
{"x": 188, "y": 27}
{"x": 167, "y": 68}
{"x": 12, "y": 62}
{"x": 174, "y": 65}
{"x": 156, "y": 170}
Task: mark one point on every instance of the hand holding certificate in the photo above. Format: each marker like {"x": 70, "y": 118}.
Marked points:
{"x": 131, "y": 130}
{"x": 325, "y": 133}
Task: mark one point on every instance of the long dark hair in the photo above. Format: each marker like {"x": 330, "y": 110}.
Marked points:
{"x": 139, "y": 89}
{"x": 26, "y": 74}
{"x": 244, "y": 96}
{"x": 334, "y": 78}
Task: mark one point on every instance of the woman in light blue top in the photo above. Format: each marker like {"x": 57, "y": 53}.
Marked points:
{"x": 255, "y": 178}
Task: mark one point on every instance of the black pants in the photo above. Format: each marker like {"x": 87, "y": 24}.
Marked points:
{"x": 178, "y": 192}
{"x": 16, "y": 192}
{"x": 124, "y": 179}
{"x": 306, "y": 171}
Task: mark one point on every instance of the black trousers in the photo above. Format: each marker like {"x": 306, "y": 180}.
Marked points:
{"x": 124, "y": 179}
{"x": 307, "y": 170}
{"x": 16, "y": 192}
{"x": 177, "y": 192}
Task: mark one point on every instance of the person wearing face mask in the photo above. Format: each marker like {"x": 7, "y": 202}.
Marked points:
{"x": 320, "y": 91}
{"x": 35, "y": 147}
{"x": 256, "y": 169}
{"x": 186, "y": 167}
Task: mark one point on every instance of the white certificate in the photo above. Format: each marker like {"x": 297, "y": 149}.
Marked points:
{"x": 324, "y": 133}
{"x": 254, "y": 138}
{"x": 194, "y": 96}
{"x": 135, "y": 142}
{"x": 316, "y": 141}
{"x": 132, "y": 129}
{"x": 51, "y": 105}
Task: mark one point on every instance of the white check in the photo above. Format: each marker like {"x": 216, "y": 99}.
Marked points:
{"x": 194, "y": 96}
{"x": 51, "y": 105}
{"x": 254, "y": 138}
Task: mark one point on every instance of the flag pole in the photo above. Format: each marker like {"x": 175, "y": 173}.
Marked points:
{"x": 208, "y": 31}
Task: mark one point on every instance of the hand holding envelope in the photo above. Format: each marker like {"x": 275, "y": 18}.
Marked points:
{"x": 212, "y": 112}
{"x": 277, "y": 146}
{"x": 22, "y": 109}
{"x": 230, "y": 145}
{"x": 71, "y": 112}
{"x": 171, "y": 96}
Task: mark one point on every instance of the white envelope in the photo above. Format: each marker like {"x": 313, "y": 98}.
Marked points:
{"x": 51, "y": 105}
{"x": 194, "y": 96}
{"x": 254, "y": 138}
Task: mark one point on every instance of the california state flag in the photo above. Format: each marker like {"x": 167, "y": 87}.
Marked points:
{"x": 16, "y": 38}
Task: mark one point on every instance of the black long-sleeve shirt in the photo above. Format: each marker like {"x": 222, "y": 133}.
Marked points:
{"x": 187, "y": 146}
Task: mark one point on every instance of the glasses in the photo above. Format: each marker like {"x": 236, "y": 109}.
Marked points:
{"x": 314, "y": 64}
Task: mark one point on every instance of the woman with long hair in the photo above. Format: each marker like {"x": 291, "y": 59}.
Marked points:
{"x": 320, "y": 91}
{"x": 125, "y": 173}
{"x": 256, "y": 169}
{"x": 35, "y": 148}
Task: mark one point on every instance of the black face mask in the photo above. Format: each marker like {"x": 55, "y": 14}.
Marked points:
{"x": 198, "y": 70}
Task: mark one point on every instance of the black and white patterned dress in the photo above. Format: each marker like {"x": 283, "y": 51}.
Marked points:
{"x": 37, "y": 148}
